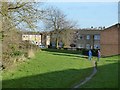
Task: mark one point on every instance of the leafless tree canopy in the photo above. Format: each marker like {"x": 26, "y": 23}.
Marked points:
{"x": 56, "y": 20}
{"x": 20, "y": 14}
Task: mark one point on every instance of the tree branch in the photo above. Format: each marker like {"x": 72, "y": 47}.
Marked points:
{"x": 17, "y": 7}
{"x": 1, "y": 13}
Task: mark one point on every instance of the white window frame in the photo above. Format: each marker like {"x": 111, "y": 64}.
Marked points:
{"x": 80, "y": 37}
{"x": 88, "y": 46}
{"x": 97, "y": 37}
{"x": 88, "y": 37}
{"x": 80, "y": 46}
{"x": 96, "y": 45}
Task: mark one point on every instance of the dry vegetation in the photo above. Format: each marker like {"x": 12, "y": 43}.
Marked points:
{"x": 14, "y": 49}
{"x": 11, "y": 15}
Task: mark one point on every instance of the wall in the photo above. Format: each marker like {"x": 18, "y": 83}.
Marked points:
{"x": 109, "y": 41}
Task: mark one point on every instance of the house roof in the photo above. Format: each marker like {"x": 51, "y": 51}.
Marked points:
{"x": 115, "y": 25}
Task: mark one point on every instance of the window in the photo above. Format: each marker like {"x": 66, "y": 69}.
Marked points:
{"x": 96, "y": 46}
{"x": 53, "y": 44}
{"x": 80, "y": 46}
{"x": 87, "y": 46}
{"x": 88, "y": 37}
{"x": 97, "y": 37}
{"x": 60, "y": 44}
{"x": 80, "y": 37}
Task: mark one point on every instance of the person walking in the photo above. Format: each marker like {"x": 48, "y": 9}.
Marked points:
{"x": 90, "y": 55}
{"x": 99, "y": 55}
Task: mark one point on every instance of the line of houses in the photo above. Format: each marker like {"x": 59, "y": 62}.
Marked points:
{"x": 105, "y": 39}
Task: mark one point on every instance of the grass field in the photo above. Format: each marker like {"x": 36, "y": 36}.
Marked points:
{"x": 48, "y": 70}
{"x": 107, "y": 75}
{"x": 61, "y": 69}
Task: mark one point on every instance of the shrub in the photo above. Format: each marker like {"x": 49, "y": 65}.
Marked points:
{"x": 84, "y": 51}
{"x": 16, "y": 53}
{"x": 94, "y": 51}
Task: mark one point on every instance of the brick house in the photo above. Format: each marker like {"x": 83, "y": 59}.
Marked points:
{"x": 105, "y": 39}
{"x": 82, "y": 38}
{"x": 88, "y": 38}
{"x": 109, "y": 40}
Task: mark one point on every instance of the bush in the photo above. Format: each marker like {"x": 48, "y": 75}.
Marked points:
{"x": 84, "y": 51}
{"x": 65, "y": 48}
{"x": 26, "y": 54}
{"x": 16, "y": 53}
{"x": 94, "y": 51}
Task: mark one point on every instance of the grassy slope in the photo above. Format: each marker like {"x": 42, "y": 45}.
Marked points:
{"x": 56, "y": 69}
{"x": 48, "y": 69}
{"x": 107, "y": 75}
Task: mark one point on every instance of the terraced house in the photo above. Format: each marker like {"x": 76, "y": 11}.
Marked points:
{"x": 88, "y": 38}
{"x": 105, "y": 39}
{"x": 81, "y": 38}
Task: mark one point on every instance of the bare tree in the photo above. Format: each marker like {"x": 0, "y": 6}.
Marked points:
{"x": 22, "y": 15}
{"x": 16, "y": 15}
{"x": 55, "y": 20}
{"x": 19, "y": 15}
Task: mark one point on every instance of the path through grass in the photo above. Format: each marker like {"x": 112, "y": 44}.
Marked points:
{"x": 48, "y": 70}
{"x": 107, "y": 74}
{"x": 58, "y": 69}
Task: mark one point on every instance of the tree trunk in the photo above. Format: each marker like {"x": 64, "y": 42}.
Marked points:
{"x": 57, "y": 43}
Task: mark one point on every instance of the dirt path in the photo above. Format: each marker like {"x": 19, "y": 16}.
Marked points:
{"x": 89, "y": 77}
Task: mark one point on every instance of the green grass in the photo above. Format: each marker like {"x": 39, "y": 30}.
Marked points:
{"x": 61, "y": 69}
{"x": 48, "y": 70}
{"x": 107, "y": 75}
